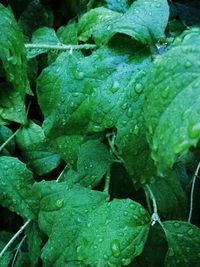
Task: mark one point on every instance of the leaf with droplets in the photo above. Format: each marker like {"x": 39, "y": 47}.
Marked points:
{"x": 63, "y": 210}
{"x": 5, "y": 134}
{"x": 82, "y": 225}
{"x": 115, "y": 234}
{"x": 94, "y": 160}
{"x": 183, "y": 244}
{"x": 15, "y": 186}
{"x": 142, "y": 21}
{"x": 12, "y": 55}
{"x": 172, "y": 107}
{"x": 36, "y": 149}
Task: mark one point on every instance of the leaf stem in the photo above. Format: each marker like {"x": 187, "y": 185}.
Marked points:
{"x": 14, "y": 237}
{"x": 8, "y": 140}
{"x": 107, "y": 182}
{"x": 58, "y": 179}
{"x": 192, "y": 192}
{"x": 17, "y": 250}
{"x": 155, "y": 217}
{"x": 60, "y": 46}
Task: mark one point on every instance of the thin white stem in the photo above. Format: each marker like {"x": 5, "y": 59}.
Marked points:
{"x": 14, "y": 237}
{"x": 60, "y": 46}
{"x": 8, "y": 140}
{"x": 148, "y": 201}
{"x": 107, "y": 183}
{"x": 58, "y": 179}
{"x": 17, "y": 251}
{"x": 192, "y": 192}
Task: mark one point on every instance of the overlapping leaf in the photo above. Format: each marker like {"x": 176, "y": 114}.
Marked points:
{"x": 183, "y": 242}
{"x": 15, "y": 186}
{"x": 70, "y": 215}
{"x": 36, "y": 149}
{"x": 12, "y": 55}
{"x": 172, "y": 107}
{"x": 145, "y": 21}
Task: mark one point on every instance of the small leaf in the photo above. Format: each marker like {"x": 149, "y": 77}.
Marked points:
{"x": 183, "y": 242}
{"x": 15, "y": 186}
{"x": 42, "y": 35}
{"x": 36, "y": 150}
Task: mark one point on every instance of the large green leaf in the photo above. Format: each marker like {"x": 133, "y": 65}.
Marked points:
{"x": 99, "y": 92}
{"x": 172, "y": 107}
{"x": 145, "y": 21}
{"x": 71, "y": 216}
{"x": 183, "y": 242}
{"x": 36, "y": 150}
{"x": 15, "y": 186}
{"x": 12, "y": 57}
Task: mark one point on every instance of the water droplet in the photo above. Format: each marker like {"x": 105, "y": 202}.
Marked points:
{"x": 124, "y": 106}
{"x": 176, "y": 224}
{"x": 125, "y": 213}
{"x": 171, "y": 252}
{"x": 138, "y": 88}
{"x": 181, "y": 147}
{"x": 130, "y": 113}
{"x": 165, "y": 92}
{"x": 105, "y": 257}
{"x": 136, "y": 130}
{"x": 194, "y": 130}
{"x": 59, "y": 203}
{"x": 100, "y": 240}
{"x": 188, "y": 64}
{"x": 190, "y": 232}
{"x": 115, "y": 248}
{"x": 115, "y": 87}
{"x": 126, "y": 261}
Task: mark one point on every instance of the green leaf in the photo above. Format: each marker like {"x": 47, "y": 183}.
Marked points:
{"x": 67, "y": 146}
{"x": 94, "y": 160}
{"x": 45, "y": 36}
{"x": 69, "y": 216}
{"x": 115, "y": 5}
{"x": 98, "y": 92}
{"x": 34, "y": 241}
{"x": 12, "y": 56}
{"x": 62, "y": 211}
{"x": 68, "y": 34}
{"x": 143, "y": 21}
{"x": 35, "y": 16}
{"x": 115, "y": 234}
{"x": 183, "y": 242}
{"x": 170, "y": 197}
{"x": 5, "y": 134}
{"x": 15, "y": 186}
{"x": 36, "y": 150}
{"x": 173, "y": 87}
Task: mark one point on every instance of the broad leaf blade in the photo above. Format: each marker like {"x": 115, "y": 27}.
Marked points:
{"x": 12, "y": 55}
{"x": 145, "y": 21}
{"x": 115, "y": 234}
{"x": 173, "y": 87}
{"x": 15, "y": 186}
{"x": 183, "y": 242}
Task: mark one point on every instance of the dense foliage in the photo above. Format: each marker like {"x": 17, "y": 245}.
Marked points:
{"x": 99, "y": 133}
